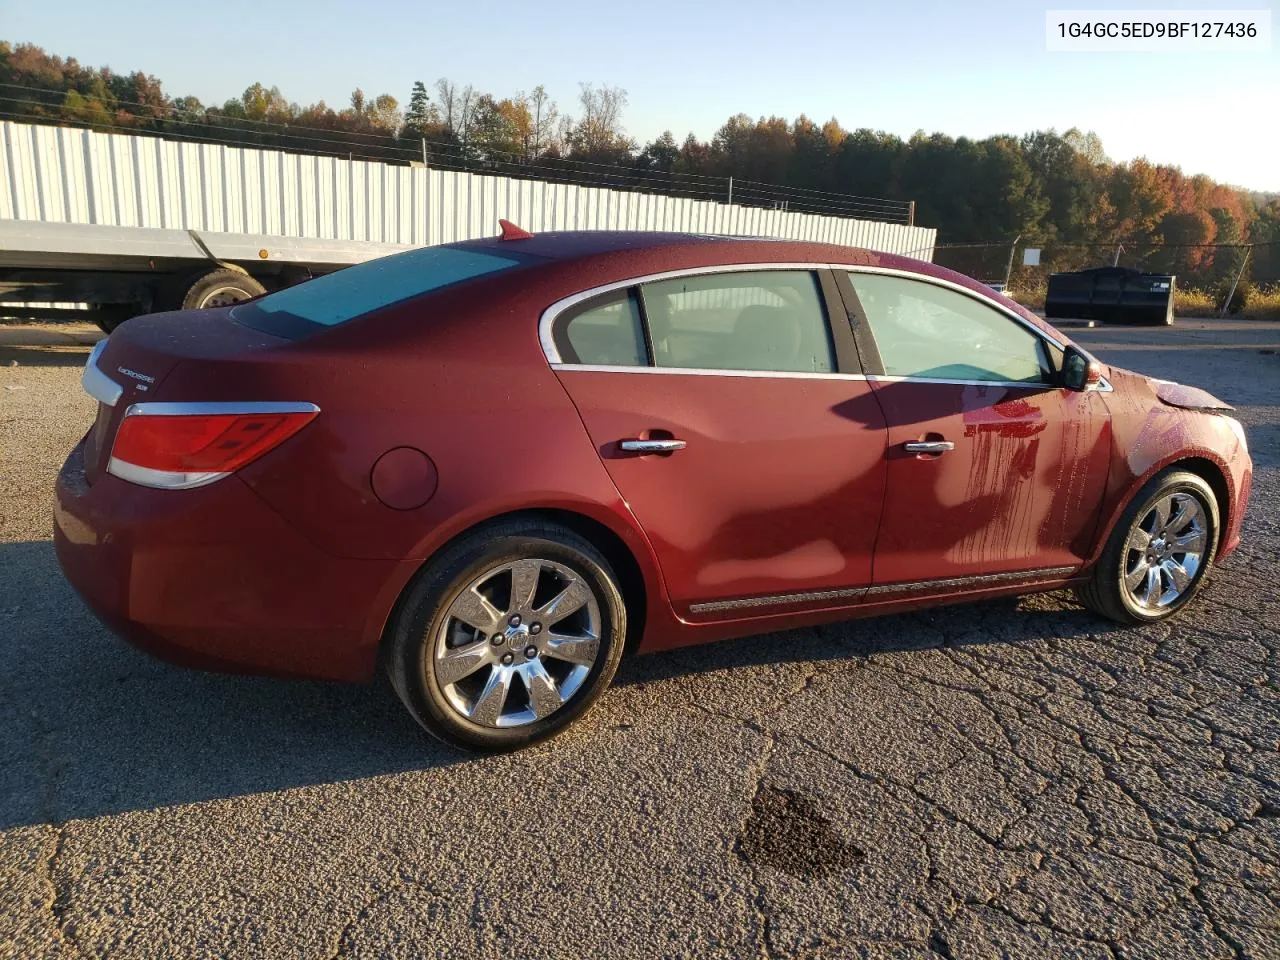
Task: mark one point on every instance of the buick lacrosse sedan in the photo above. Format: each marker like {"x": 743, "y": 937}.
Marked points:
{"x": 492, "y": 467}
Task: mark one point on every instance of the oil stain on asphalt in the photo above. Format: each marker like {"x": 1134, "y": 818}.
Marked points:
{"x": 788, "y": 832}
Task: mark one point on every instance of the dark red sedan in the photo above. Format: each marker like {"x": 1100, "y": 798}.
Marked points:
{"x": 494, "y": 465}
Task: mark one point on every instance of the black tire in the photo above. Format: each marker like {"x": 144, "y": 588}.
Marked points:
{"x": 219, "y": 284}
{"x": 1105, "y": 594}
{"x": 423, "y": 614}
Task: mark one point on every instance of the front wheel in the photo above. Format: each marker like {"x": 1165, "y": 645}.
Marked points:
{"x": 508, "y": 636}
{"x": 1159, "y": 553}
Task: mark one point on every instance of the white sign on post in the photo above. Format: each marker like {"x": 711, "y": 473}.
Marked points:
{"x": 1031, "y": 257}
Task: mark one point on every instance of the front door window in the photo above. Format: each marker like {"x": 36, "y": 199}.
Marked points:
{"x": 931, "y": 332}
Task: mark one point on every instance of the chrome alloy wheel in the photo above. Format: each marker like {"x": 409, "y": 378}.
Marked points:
{"x": 517, "y": 642}
{"x": 1164, "y": 551}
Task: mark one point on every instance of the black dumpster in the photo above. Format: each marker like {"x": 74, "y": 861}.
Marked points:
{"x": 1110, "y": 295}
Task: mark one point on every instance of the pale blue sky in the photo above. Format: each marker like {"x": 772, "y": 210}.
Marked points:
{"x": 972, "y": 68}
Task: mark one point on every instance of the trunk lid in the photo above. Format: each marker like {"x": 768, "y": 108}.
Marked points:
{"x": 139, "y": 355}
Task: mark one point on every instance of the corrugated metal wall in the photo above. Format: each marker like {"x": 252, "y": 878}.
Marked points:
{"x": 67, "y": 175}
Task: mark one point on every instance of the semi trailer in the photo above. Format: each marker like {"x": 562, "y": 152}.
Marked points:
{"x": 108, "y": 274}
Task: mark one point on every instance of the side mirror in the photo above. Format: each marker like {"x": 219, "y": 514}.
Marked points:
{"x": 1079, "y": 372}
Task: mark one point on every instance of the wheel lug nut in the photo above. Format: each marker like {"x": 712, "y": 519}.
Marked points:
{"x": 498, "y": 639}
{"x": 506, "y": 659}
{"x": 530, "y": 651}
{"x": 536, "y": 629}
{"x": 515, "y": 620}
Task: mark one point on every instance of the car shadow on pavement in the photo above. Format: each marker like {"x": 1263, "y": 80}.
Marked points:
{"x": 94, "y": 727}
{"x": 1009, "y": 621}
{"x": 42, "y": 356}
{"x": 46, "y": 344}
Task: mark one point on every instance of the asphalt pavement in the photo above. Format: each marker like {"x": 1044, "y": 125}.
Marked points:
{"x": 1008, "y": 779}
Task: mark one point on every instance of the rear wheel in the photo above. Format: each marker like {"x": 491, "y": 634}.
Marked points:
{"x": 1159, "y": 553}
{"x": 218, "y": 287}
{"x": 508, "y": 637}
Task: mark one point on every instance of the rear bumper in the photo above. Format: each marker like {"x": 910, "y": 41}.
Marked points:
{"x": 213, "y": 578}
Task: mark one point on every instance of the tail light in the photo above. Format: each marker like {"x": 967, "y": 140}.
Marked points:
{"x": 181, "y": 445}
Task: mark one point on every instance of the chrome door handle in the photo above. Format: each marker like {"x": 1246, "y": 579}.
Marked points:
{"x": 651, "y": 446}
{"x": 928, "y": 446}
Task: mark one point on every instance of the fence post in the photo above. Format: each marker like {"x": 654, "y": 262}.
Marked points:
{"x": 731, "y": 189}
{"x": 911, "y": 213}
{"x": 1008, "y": 271}
{"x": 424, "y": 151}
{"x": 1240, "y": 273}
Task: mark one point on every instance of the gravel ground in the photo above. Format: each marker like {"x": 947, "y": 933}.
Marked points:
{"x": 1013, "y": 779}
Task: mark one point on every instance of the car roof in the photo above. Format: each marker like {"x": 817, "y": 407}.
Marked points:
{"x": 601, "y": 256}
{"x": 573, "y": 244}
{"x": 688, "y": 249}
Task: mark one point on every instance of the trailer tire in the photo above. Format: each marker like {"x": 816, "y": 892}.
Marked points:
{"x": 216, "y": 288}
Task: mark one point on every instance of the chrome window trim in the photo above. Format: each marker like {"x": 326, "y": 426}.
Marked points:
{"x": 214, "y": 407}
{"x": 799, "y": 375}
{"x": 96, "y": 383}
{"x": 1023, "y": 384}
{"x": 1034, "y": 577}
{"x": 705, "y": 372}
{"x": 549, "y": 315}
{"x": 547, "y": 321}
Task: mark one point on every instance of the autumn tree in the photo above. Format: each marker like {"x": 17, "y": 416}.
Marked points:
{"x": 546, "y": 119}
{"x": 1264, "y": 232}
{"x": 499, "y": 129}
{"x": 456, "y": 107}
{"x": 383, "y": 114}
{"x": 810, "y": 155}
{"x": 1068, "y": 183}
{"x": 1181, "y": 233}
{"x": 87, "y": 110}
{"x": 598, "y": 135}
{"x": 1141, "y": 197}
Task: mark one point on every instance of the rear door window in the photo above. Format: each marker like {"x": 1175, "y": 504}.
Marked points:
{"x": 765, "y": 320}
{"x": 355, "y": 291}
{"x": 604, "y": 331}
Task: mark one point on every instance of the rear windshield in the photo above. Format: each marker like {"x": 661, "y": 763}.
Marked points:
{"x": 354, "y": 291}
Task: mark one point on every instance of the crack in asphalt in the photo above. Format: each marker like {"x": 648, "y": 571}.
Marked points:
{"x": 757, "y": 901}
{"x": 59, "y": 893}
{"x": 1124, "y": 737}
